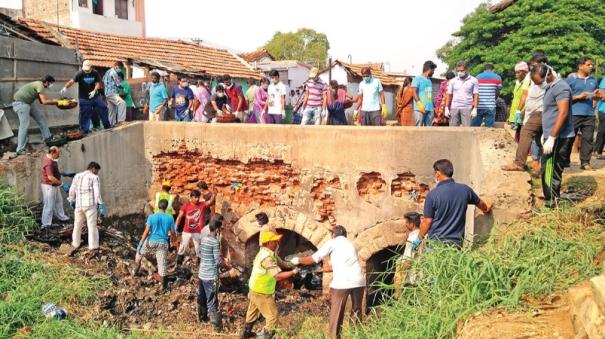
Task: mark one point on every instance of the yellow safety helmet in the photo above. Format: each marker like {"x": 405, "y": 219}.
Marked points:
{"x": 166, "y": 183}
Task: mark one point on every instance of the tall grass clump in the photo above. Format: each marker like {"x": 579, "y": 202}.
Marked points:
{"x": 16, "y": 219}
{"x": 531, "y": 260}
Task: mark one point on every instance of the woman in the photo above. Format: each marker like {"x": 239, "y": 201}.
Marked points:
{"x": 440, "y": 118}
{"x": 201, "y": 104}
{"x": 259, "y": 116}
{"x": 405, "y": 103}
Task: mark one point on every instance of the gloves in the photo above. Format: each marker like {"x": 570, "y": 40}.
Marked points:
{"x": 548, "y": 145}
{"x": 65, "y": 187}
{"x": 72, "y": 204}
{"x": 421, "y": 107}
{"x": 63, "y": 91}
{"x": 355, "y": 115}
{"x": 385, "y": 112}
{"x": 295, "y": 271}
{"x": 416, "y": 243}
{"x": 295, "y": 261}
{"x": 139, "y": 246}
{"x": 447, "y": 112}
{"x": 92, "y": 94}
{"x": 518, "y": 119}
{"x": 283, "y": 114}
{"x": 102, "y": 210}
{"x": 474, "y": 113}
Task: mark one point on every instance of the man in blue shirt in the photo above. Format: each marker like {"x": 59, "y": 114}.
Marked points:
{"x": 158, "y": 97}
{"x": 155, "y": 240}
{"x": 600, "y": 143}
{"x": 490, "y": 85}
{"x": 445, "y": 207}
{"x": 583, "y": 88}
{"x": 557, "y": 130}
{"x": 115, "y": 104}
{"x": 182, "y": 100}
{"x": 370, "y": 101}
{"x": 424, "y": 111}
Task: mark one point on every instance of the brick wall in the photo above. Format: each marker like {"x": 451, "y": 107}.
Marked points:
{"x": 48, "y": 10}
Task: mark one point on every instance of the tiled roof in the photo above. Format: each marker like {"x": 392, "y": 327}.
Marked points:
{"x": 104, "y": 49}
{"x": 377, "y": 71}
{"x": 256, "y": 55}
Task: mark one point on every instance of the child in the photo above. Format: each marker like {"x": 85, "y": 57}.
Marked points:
{"x": 412, "y": 220}
{"x": 336, "y": 111}
{"x": 193, "y": 212}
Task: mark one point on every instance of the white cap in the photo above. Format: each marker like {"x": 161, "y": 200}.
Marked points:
{"x": 87, "y": 66}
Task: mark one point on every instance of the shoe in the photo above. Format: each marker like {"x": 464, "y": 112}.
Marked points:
{"x": 73, "y": 252}
{"x": 164, "y": 283}
{"x": 136, "y": 269}
{"x": 513, "y": 168}
{"x": 202, "y": 313}
{"x": 586, "y": 167}
{"x": 247, "y": 331}
{"x": 215, "y": 320}
{"x": 179, "y": 260}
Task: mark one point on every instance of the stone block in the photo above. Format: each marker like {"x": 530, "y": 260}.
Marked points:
{"x": 597, "y": 285}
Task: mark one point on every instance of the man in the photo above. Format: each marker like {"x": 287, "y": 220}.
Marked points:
{"x": 126, "y": 93}
{"x": 266, "y": 272}
{"x": 164, "y": 194}
{"x": 202, "y": 106}
{"x": 85, "y": 197}
{"x": 236, "y": 97}
{"x": 220, "y": 101}
{"x": 558, "y": 130}
{"x": 348, "y": 278}
{"x": 600, "y": 143}
{"x": 490, "y": 85}
{"x": 422, "y": 89}
{"x": 193, "y": 215}
{"x": 583, "y": 89}
{"x": 182, "y": 100}
{"x": 463, "y": 94}
{"x": 158, "y": 98}
{"x": 370, "y": 101}
{"x": 262, "y": 219}
{"x": 314, "y": 100}
{"x": 412, "y": 223}
{"x": 209, "y": 197}
{"x": 445, "y": 208}
{"x": 293, "y": 98}
{"x": 249, "y": 96}
{"x": 23, "y": 106}
{"x": 210, "y": 261}
{"x": 50, "y": 181}
{"x": 116, "y": 105}
{"x": 522, "y": 83}
{"x": 155, "y": 240}
{"x": 276, "y": 104}
{"x": 89, "y": 86}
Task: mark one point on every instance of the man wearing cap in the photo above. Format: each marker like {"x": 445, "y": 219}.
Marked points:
{"x": 370, "y": 101}
{"x": 348, "y": 278}
{"x": 315, "y": 99}
{"x": 266, "y": 272}
{"x": 89, "y": 84}
{"x": 164, "y": 194}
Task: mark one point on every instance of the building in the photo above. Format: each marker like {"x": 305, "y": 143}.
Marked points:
{"x": 291, "y": 72}
{"x": 125, "y": 17}
{"x": 261, "y": 55}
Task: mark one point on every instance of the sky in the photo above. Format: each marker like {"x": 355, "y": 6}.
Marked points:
{"x": 403, "y": 34}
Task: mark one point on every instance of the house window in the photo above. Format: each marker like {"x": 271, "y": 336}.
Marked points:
{"x": 83, "y": 3}
{"x": 97, "y": 7}
{"x": 122, "y": 9}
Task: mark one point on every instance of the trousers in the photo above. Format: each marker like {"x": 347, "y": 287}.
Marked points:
{"x": 584, "y": 127}
{"x": 116, "y": 108}
{"x": 552, "y": 170}
{"x": 88, "y": 107}
{"x": 460, "y": 117}
{"x": 53, "y": 204}
{"x": 24, "y": 113}
{"x": 600, "y": 143}
{"x": 262, "y": 304}
{"x": 160, "y": 250}
{"x": 530, "y": 131}
{"x": 338, "y": 301}
{"x": 88, "y": 215}
{"x": 185, "y": 238}
{"x": 206, "y": 295}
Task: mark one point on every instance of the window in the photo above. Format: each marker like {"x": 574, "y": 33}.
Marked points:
{"x": 83, "y": 3}
{"x": 122, "y": 9}
{"x": 97, "y": 7}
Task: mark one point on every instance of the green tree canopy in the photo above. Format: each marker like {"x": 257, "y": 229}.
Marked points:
{"x": 564, "y": 29}
{"x": 305, "y": 45}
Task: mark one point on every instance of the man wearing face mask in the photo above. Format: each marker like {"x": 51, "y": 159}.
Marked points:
{"x": 115, "y": 104}
{"x": 236, "y": 97}
{"x": 89, "y": 85}
{"x": 276, "y": 105}
{"x": 182, "y": 100}
{"x": 445, "y": 208}
{"x": 463, "y": 95}
{"x": 23, "y": 105}
{"x": 558, "y": 133}
{"x": 158, "y": 98}
{"x": 370, "y": 101}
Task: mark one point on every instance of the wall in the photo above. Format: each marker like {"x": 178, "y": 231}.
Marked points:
{"x": 108, "y": 22}
{"x": 297, "y": 76}
{"x": 22, "y": 62}
{"x": 46, "y": 10}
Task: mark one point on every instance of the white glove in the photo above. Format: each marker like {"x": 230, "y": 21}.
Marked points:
{"x": 447, "y": 112}
{"x": 474, "y": 113}
{"x": 63, "y": 91}
{"x": 283, "y": 114}
{"x": 548, "y": 145}
{"x": 92, "y": 94}
{"x": 295, "y": 261}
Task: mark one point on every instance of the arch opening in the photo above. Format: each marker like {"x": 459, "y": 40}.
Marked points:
{"x": 380, "y": 273}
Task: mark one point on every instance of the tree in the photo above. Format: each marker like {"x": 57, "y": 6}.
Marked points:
{"x": 564, "y": 29}
{"x": 305, "y": 45}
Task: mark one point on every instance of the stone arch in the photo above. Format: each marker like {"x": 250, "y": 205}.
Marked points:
{"x": 378, "y": 237}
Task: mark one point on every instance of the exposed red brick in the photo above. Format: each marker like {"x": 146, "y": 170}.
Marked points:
{"x": 406, "y": 186}
{"x": 322, "y": 194}
{"x": 370, "y": 186}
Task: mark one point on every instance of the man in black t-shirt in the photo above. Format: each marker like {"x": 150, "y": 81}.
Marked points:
{"x": 89, "y": 86}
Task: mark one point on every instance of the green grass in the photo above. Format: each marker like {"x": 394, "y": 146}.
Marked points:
{"x": 547, "y": 254}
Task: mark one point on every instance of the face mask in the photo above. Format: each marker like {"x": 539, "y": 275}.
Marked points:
{"x": 50, "y": 85}
{"x": 273, "y": 81}
{"x": 462, "y": 74}
{"x": 220, "y": 95}
{"x": 155, "y": 81}
{"x": 265, "y": 87}
{"x": 367, "y": 79}
{"x": 229, "y": 86}
{"x": 185, "y": 84}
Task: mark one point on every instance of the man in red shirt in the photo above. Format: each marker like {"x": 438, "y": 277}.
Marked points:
{"x": 193, "y": 212}
{"x": 236, "y": 97}
{"x": 50, "y": 182}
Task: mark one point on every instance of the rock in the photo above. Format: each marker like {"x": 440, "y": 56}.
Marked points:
{"x": 597, "y": 285}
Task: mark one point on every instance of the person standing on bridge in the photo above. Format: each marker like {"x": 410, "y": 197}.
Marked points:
{"x": 371, "y": 103}
{"x": 445, "y": 208}
{"x": 462, "y": 97}
{"x": 348, "y": 278}
{"x": 422, "y": 86}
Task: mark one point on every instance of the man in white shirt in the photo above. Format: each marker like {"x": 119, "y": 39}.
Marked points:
{"x": 85, "y": 198}
{"x": 276, "y": 103}
{"x": 348, "y": 278}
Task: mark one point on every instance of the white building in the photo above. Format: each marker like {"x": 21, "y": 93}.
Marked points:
{"x": 123, "y": 17}
{"x": 291, "y": 72}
